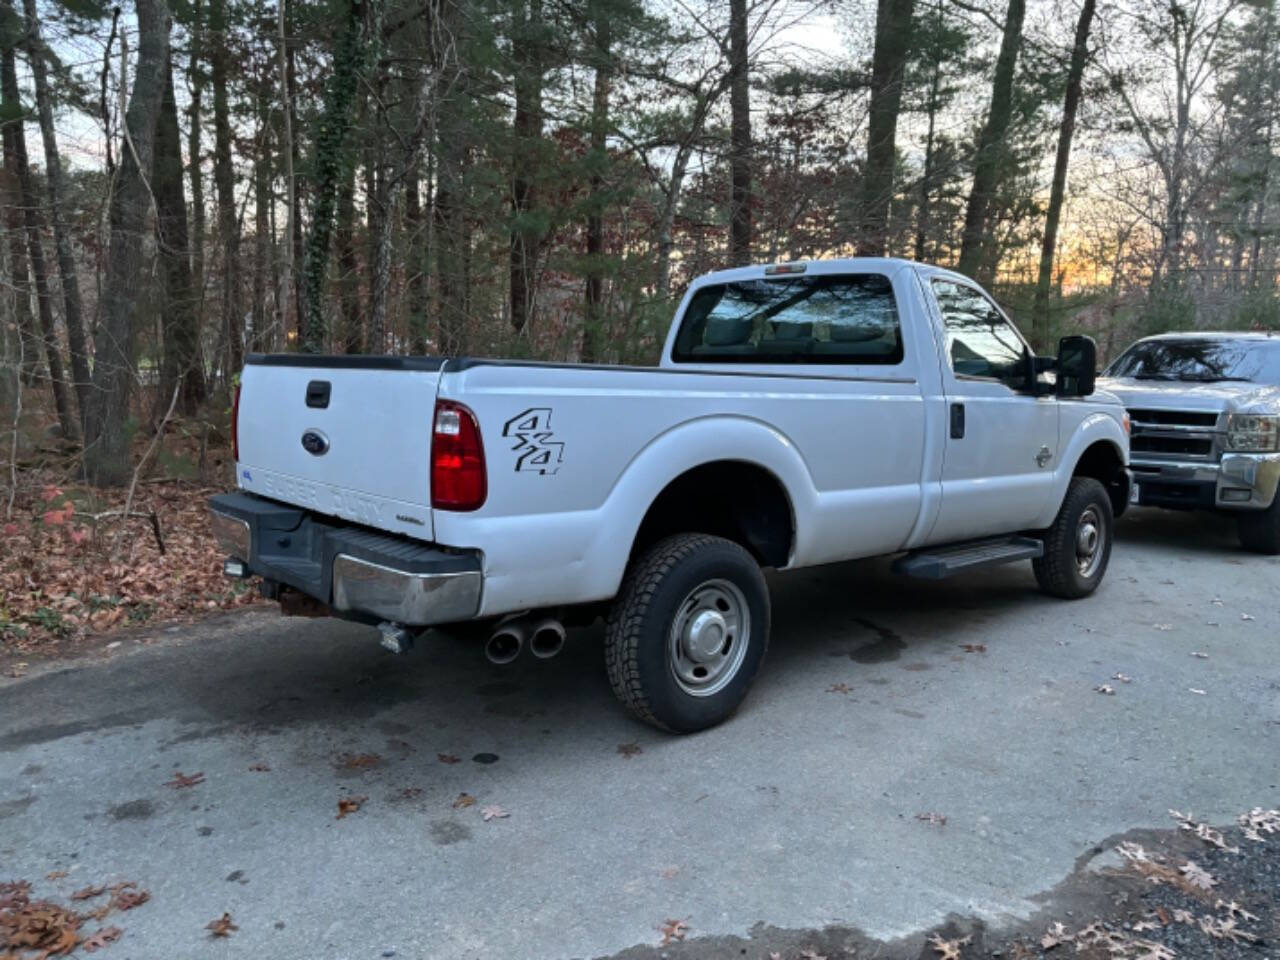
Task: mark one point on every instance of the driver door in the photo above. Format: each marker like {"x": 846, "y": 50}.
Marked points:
{"x": 1002, "y": 440}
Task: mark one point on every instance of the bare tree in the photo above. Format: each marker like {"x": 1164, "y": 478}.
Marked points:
{"x": 106, "y": 454}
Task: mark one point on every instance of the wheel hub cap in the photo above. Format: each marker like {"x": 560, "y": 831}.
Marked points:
{"x": 709, "y": 637}
{"x": 705, "y": 636}
{"x": 1089, "y": 536}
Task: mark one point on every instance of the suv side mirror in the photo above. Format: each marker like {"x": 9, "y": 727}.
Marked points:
{"x": 1077, "y": 366}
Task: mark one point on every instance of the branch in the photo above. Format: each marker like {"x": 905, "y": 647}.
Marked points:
{"x": 137, "y": 471}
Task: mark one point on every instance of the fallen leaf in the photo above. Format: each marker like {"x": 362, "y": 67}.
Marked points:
{"x": 808, "y": 953}
{"x": 1197, "y": 691}
{"x": 1235, "y": 911}
{"x": 1163, "y": 626}
{"x": 96, "y": 941}
{"x": 1246, "y": 616}
{"x": 1197, "y": 876}
{"x": 463, "y": 800}
{"x": 629, "y": 750}
{"x": 1122, "y": 678}
{"x": 1226, "y": 929}
{"x": 1200, "y": 654}
{"x": 17, "y": 670}
{"x": 673, "y": 930}
{"x": 181, "y": 780}
{"x": 1055, "y": 935}
{"x": 222, "y": 927}
{"x": 55, "y": 874}
{"x": 357, "y": 761}
{"x": 493, "y": 812}
{"x": 259, "y": 768}
{"x": 1258, "y": 821}
{"x": 937, "y": 818}
{"x": 1163, "y": 914}
{"x": 1216, "y": 601}
{"x": 447, "y": 758}
{"x": 349, "y": 805}
{"x": 88, "y": 892}
{"x": 1105, "y": 688}
{"x": 14, "y": 894}
{"x": 128, "y": 899}
{"x": 948, "y": 949}
{"x": 839, "y": 688}
{"x": 974, "y": 647}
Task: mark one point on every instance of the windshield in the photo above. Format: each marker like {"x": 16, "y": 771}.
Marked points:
{"x": 1200, "y": 360}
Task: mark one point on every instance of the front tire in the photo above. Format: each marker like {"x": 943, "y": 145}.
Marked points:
{"x": 1077, "y": 548}
{"x": 1260, "y": 529}
{"x": 687, "y": 633}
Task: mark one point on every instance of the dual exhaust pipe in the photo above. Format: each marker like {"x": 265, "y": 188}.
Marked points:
{"x": 544, "y": 636}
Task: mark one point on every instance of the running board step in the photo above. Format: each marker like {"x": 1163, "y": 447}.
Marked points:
{"x": 936, "y": 563}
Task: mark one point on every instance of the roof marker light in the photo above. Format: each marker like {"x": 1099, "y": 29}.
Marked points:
{"x": 778, "y": 269}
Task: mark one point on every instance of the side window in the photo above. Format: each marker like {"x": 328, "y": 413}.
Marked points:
{"x": 980, "y": 341}
{"x": 844, "y": 318}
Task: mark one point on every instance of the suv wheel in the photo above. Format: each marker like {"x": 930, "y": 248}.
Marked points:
{"x": 688, "y": 632}
{"x": 1077, "y": 548}
{"x": 1260, "y": 529}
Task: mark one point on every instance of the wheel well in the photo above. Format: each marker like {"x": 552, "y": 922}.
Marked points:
{"x": 729, "y": 498}
{"x": 1103, "y": 462}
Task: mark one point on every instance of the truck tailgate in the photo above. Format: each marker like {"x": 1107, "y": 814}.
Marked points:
{"x": 348, "y": 437}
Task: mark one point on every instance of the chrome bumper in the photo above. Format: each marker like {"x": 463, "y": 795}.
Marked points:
{"x": 356, "y": 571}
{"x": 362, "y": 586}
{"x": 1241, "y": 481}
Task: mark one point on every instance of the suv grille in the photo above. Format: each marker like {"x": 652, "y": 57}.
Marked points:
{"x": 1184, "y": 434}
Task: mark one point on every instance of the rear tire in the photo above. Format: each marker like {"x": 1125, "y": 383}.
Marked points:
{"x": 1260, "y": 529}
{"x": 1077, "y": 548}
{"x": 687, "y": 633}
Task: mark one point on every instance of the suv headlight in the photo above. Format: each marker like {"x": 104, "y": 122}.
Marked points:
{"x": 1253, "y": 433}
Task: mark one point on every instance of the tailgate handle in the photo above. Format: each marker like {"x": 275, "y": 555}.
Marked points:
{"x": 318, "y": 394}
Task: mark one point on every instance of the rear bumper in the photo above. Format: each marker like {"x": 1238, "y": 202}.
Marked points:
{"x": 1241, "y": 481}
{"x": 356, "y": 571}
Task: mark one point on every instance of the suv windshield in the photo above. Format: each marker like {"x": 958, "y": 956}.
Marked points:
{"x": 1200, "y": 360}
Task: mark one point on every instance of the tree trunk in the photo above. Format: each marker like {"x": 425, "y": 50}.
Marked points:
{"x": 739, "y": 136}
{"x": 452, "y": 233}
{"x": 73, "y": 312}
{"x": 594, "y": 334}
{"x": 225, "y": 181}
{"x": 262, "y": 230}
{"x": 330, "y": 160}
{"x": 15, "y": 159}
{"x": 1075, "y": 73}
{"x": 990, "y": 151}
{"x": 181, "y": 358}
{"x": 351, "y": 335}
{"x": 416, "y": 226}
{"x": 106, "y": 454}
{"x": 195, "y": 80}
{"x": 526, "y": 233}
{"x": 924, "y": 213}
{"x": 16, "y": 227}
{"x": 894, "y": 21}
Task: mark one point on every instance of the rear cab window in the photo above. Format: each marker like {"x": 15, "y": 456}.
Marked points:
{"x": 847, "y": 318}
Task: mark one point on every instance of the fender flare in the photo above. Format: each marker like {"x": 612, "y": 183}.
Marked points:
{"x": 684, "y": 447}
{"x": 1096, "y": 428}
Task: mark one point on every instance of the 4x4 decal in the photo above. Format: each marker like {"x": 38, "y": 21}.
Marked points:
{"x": 536, "y": 450}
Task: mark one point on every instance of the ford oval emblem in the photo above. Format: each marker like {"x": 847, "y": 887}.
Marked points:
{"x": 315, "y": 443}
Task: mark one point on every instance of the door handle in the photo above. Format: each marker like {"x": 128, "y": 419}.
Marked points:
{"x": 957, "y": 421}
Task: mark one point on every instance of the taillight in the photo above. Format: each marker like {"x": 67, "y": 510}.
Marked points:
{"x": 457, "y": 459}
{"x": 235, "y": 424}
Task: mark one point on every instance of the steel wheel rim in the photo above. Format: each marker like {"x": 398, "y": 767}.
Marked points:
{"x": 709, "y": 638}
{"x": 1089, "y": 541}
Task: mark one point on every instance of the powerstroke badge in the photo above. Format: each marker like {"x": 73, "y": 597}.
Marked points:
{"x": 536, "y": 451}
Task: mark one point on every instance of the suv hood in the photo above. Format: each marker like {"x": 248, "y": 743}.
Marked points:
{"x": 1227, "y": 396}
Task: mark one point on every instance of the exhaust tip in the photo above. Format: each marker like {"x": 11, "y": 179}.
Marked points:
{"x": 548, "y": 639}
{"x": 504, "y": 646}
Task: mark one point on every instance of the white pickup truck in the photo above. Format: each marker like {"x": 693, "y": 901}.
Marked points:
{"x": 802, "y": 414}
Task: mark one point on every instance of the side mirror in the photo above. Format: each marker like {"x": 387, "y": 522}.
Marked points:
{"x": 1077, "y": 366}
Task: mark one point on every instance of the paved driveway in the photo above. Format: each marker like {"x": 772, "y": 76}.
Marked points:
{"x": 800, "y": 813}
